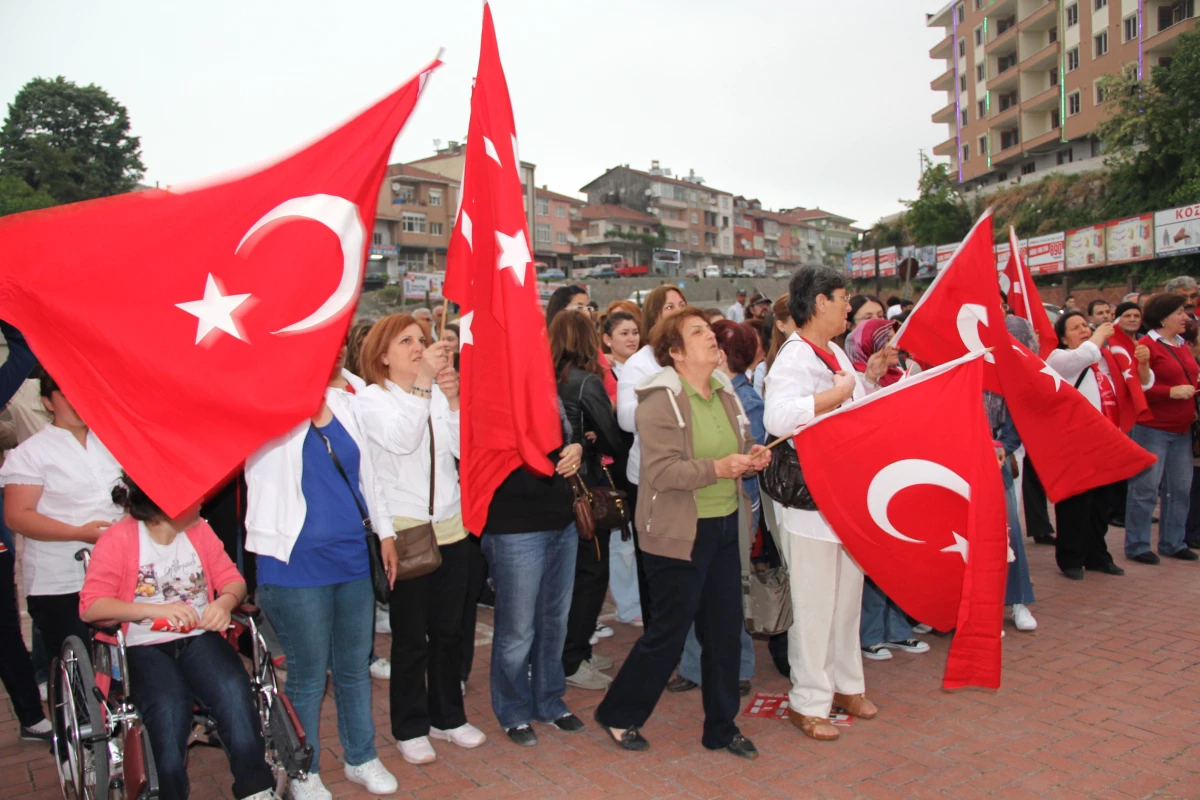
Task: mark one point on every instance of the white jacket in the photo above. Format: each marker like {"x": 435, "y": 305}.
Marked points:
{"x": 275, "y": 502}
{"x": 637, "y": 367}
{"x": 1070, "y": 364}
{"x": 397, "y": 427}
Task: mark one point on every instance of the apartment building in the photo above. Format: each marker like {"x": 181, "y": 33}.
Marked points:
{"x": 1020, "y": 79}
{"x": 616, "y": 229}
{"x": 414, "y": 217}
{"x": 831, "y": 237}
{"x": 698, "y": 219}
{"x": 553, "y": 217}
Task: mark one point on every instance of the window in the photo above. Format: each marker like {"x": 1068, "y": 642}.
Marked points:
{"x": 963, "y": 116}
{"x": 1073, "y": 59}
{"x": 978, "y": 4}
{"x": 560, "y": 238}
{"x": 542, "y": 232}
{"x": 405, "y": 195}
{"x": 1130, "y": 28}
{"x": 1100, "y": 96}
{"x": 1074, "y": 104}
{"x": 1175, "y": 13}
{"x": 962, "y": 48}
{"x": 1003, "y": 25}
{"x": 981, "y": 107}
{"x": 1072, "y": 15}
{"x": 1055, "y": 119}
{"x": 413, "y": 223}
{"x": 1101, "y": 44}
{"x": 966, "y": 153}
{"x": 978, "y": 36}
{"x": 691, "y": 197}
{"x": 695, "y": 240}
{"x": 962, "y": 82}
{"x": 594, "y": 229}
{"x": 1029, "y": 169}
{"x": 1005, "y": 63}
{"x": 1054, "y": 77}
{"x": 560, "y": 210}
{"x": 1007, "y": 101}
{"x": 979, "y": 72}
{"x": 1009, "y": 138}
{"x": 543, "y": 207}
{"x": 695, "y": 217}
{"x": 962, "y": 12}
{"x": 1001, "y": 176}
{"x": 1101, "y": 4}
{"x": 377, "y": 238}
{"x": 1066, "y": 156}
{"x": 435, "y": 229}
{"x": 1054, "y": 34}
{"x": 435, "y": 197}
{"x": 983, "y": 145}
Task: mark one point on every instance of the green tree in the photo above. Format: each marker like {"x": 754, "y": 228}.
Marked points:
{"x": 71, "y": 142}
{"x": 16, "y": 196}
{"x": 1153, "y": 134}
{"x": 938, "y": 215}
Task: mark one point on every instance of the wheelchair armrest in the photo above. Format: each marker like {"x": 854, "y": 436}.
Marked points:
{"x": 248, "y": 609}
{"x": 106, "y": 626}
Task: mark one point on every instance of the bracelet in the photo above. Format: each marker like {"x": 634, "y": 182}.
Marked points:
{"x": 419, "y": 392}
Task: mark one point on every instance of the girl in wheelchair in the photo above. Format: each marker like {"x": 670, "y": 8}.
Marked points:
{"x": 173, "y": 588}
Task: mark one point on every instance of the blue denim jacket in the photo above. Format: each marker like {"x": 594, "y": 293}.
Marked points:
{"x": 753, "y": 404}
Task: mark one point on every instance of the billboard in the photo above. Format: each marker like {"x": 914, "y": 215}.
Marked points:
{"x": 1085, "y": 247}
{"x": 1046, "y": 254}
{"x": 944, "y": 253}
{"x": 887, "y": 262}
{"x": 416, "y": 284}
{"x": 867, "y": 264}
{"x": 1130, "y": 239}
{"x": 1177, "y": 231}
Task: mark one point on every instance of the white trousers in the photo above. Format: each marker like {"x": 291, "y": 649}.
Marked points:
{"x": 823, "y": 646}
{"x": 622, "y": 578}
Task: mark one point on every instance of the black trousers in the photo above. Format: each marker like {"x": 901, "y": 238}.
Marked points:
{"x": 477, "y": 571}
{"x": 426, "y": 615}
{"x": 706, "y": 590}
{"x": 1116, "y": 499}
{"x": 1082, "y": 523}
{"x": 1037, "y": 512}
{"x": 587, "y": 599}
{"x": 16, "y": 668}
{"x": 57, "y": 617}
{"x": 639, "y": 560}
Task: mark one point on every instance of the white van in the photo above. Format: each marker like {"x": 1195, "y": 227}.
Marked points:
{"x": 712, "y": 271}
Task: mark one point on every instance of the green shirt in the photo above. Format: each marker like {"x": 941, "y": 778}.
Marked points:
{"x": 713, "y": 437}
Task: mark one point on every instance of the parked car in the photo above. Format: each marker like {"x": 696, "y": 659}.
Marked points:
{"x": 712, "y": 271}
{"x": 729, "y": 272}
{"x": 745, "y": 273}
{"x": 551, "y": 275}
{"x": 606, "y": 272}
{"x": 782, "y": 273}
{"x": 627, "y": 270}
{"x": 692, "y": 272}
{"x": 374, "y": 280}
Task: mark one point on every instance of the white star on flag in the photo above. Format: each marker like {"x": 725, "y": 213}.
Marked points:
{"x": 464, "y": 329}
{"x": 1046, "y": 370}
{"x": 959, "y": 546}
{"x": 465, "y": 227}
{"x": 215, "y": 310}
{"x": 491, "y": 151}
{"x": 514, "y": 254}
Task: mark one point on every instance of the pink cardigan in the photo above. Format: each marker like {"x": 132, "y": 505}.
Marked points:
{"x": 113, "y": 569}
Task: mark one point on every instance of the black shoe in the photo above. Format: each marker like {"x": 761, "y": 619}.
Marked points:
{"x": 1117, "y": 522}
{"x": 1186, "y": 555}
{"x": 680, "y": 684}
{"x": 629, "y": 739}
{"x": 30, "y": 735}
{"x": 1074, "y": 573}
{"x": 1049, "y": 538}
{"x": 742, "y": 748}
{"x": 522, "y": 735}
{"x": 743, "y": 688}
{"x": 1145, "y": 558}
{"x": 569, "y": 723}
{"x": 1108, "y": 569}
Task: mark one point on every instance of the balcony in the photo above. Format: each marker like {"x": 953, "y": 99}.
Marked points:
{"x": 1052, "y": 136}
{"x": 945, "y": 114}
{"x": 1008, "y": 115}
{"x": 943, "y": 18}
{"x": 943, "y": 82}
{"x": 671, "y": 202}
{"x": 1003, "y": 44}
{"x": 1007, "y": 154}
{"x": 1043, "y": 19}
{"x": 1166, "y": 41}
{"x": 946, "y": 148}
{"x": 944, "y": 48}
{"x": 1000, "y": 9}
{"x": 1044, "y": 59}
{"x": 673, "y": 223}
{"x": 1043, "y": 100}
{"x": 1004, "y": 80}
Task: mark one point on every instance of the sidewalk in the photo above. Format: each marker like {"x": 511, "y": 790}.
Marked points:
{"x": 1100, "y": 702}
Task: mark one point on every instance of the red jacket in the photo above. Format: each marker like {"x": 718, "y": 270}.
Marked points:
{"x": 113, "y": 569}
{"x": 1172, "y": 366}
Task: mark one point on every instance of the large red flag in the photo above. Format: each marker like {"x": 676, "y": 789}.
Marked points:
{"x": 923, "y": 516}
{"x": 509, "y": 404}
{"x": 1023, "y": 297}
{"x": 1131, "y": 399}
{"x": 189, "y": 328}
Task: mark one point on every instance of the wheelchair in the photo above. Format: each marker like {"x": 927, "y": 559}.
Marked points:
{"x": 108, "y": 754}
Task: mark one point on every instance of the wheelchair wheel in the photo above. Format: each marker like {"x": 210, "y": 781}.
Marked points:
{"x": 79, "y": 726}
{"x": 288, "y": 751}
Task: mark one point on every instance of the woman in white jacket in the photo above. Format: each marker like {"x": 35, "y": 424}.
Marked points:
{"x": 410, "y": 414}
{"x": 303, "y": 519}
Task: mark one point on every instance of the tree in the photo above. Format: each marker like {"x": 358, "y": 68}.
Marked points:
{"x": 1153, "y": 134}
{"x": 938, "y": 215}
{"x": 71, "y": 142}
{"x": 16, "y": 196}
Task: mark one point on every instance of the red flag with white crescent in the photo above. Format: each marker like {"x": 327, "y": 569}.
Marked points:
{"x": 1122, "y": 365}
{"x": 1023, "y": 297}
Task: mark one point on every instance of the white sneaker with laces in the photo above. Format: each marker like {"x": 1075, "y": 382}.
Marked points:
{"x": 382, "y": 669}
{"x": 603, "y": 631}
{"x": 594, "y": 640}
{"x": 310, "y": 788}
{"x": 465, "y": 735}
{"x": 876, "y": 652}
{"x": 417, "y": 751}
{"x": 1022, "y": 618}
{"x": 383, "y": 620}
{"x": 921, "y": 629}
{"x": 374, "y": 776}
{"x": 908, "y": 646}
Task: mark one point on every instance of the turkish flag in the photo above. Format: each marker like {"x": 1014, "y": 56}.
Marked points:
{"x": 923, "y": 516}
{"x": 1072, "y": 445}
{"x": 509, "y": 403}
{"x": 188, "y": 328}
{"x": 1023, "y": 297}
{"x": 1131, "y": 399}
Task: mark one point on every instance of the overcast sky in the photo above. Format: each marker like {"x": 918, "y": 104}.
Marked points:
{"x": 795, "y": 102}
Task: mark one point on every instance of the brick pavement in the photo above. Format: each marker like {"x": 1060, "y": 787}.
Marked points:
{"x": 1100, "y": 702}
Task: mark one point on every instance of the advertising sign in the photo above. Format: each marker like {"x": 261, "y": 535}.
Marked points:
{"x": 887, "y": 262}
{"x": 416, "y": 284}
{"x": 1004, "y": 253}
{"x": 944, "y": 253}
{"x": 1085, "y": 247}
{"x": 867, "y": 264}
{"x": 1130, "y": 239}
{"x": 1046, "y": 254}
{"x": 1177, "y": 231}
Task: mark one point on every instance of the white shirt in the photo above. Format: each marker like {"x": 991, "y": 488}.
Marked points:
{"x": 77, "y": 484}
{"x": 29, "y": 415}
{"x": 736, "y": 313}
{"x": 167, "y": 573}
{"x": 397, "y": 426}
{"x": 796, "y": 377}
{"x": 1070, "y": 364}
{"x": 638, "y": 366}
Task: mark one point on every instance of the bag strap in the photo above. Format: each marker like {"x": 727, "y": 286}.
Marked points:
{"x": 337, "y": 463}
{"x": 432, "y": 465}
{"x": 1178, "y": 360}
{"x": 1082, "y": 375}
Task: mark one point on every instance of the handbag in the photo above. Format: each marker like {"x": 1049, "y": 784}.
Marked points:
{"x": 783, "y": 479}
{"x": 585, "y": 522}
{"x": 417, "y": 547}
{"x": 767, "y": 594}
{"x": 610, "y": 505}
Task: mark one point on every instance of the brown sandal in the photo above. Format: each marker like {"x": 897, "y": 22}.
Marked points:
{"x": 856, "y": 705}
{"x": 818, "y": 728}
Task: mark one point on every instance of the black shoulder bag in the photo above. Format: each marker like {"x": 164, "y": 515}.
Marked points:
{"x": 783, "y": 480}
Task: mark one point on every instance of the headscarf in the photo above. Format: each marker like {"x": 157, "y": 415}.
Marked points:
{"x": 866, "y": 340}
{"x": 1022, "y": 331}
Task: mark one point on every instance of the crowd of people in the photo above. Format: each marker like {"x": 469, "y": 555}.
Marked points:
{"x": 665, "y": 407}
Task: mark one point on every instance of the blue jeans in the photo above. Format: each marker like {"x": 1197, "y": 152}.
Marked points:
{"x": 881, "y": 620}
{"x": 534, "y": 575}
{"x": 1173, "y": 470}
{"x": 689, "y": 665}
{"x": 1019, "y": 588}
{"x": 324, "y": 627}
{"x": 165, "y": 679}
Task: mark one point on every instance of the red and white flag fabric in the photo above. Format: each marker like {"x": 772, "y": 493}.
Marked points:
{"x": 1131, "y": 398}
{"x": 188, "y": 328}
{"x": 1072, "y": 445}
{"x": 509, "y": 403}
{"x": 1023, "y": 297}
{"x": 923, "y": 516}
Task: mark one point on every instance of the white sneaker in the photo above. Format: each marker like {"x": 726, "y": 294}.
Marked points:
{"x": 601, "y": 662}
{"x": 603, "y": 631}
{"x": 381, "y": 669}
{"x": 265, "y": 794}
{"x": 417, "y": 751}
{"x": 908, "y": 646}
{"x": 374, "y": 776}
{"x": 310, "y": 788}
{"x": 383, "y": 620}
{"x": 465, "y": 735}
{"x": 588, "y": 677}
{"x": 876, "y": 652}
{"x": 1022, "y": 618}
{"x": 594, "y": 640}
{"x": 44, "y": 691}
{"x": 921, "y": 629}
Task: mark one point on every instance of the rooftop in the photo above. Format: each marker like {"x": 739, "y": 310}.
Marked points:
{"x": 610, "y": 211}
